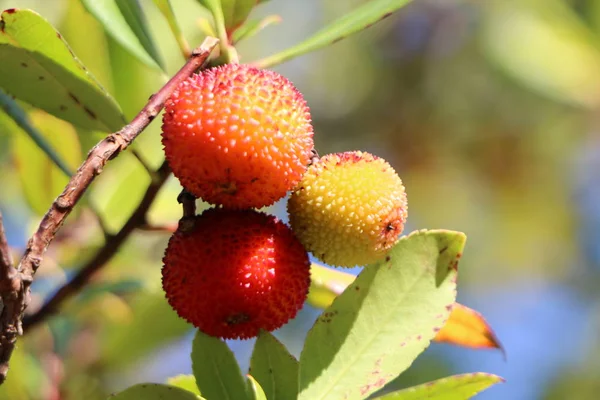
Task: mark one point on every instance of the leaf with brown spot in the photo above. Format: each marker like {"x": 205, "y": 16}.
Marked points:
{"x": 38, "y": 67}
{"x": 377, "y": 327}
{"x": 466, "y": 327}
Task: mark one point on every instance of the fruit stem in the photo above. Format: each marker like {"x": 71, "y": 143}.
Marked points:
{"x": 188, "y": 201}
{"x": 228, "y": 53}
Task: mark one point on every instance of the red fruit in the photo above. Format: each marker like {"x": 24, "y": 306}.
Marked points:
{"x": 231, "y": 273}
{"x": 237, "y": 136}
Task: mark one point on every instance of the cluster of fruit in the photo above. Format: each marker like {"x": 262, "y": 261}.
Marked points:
{"x": 241, "y": 138}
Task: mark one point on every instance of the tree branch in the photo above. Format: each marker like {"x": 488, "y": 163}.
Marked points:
{"x": 9, "y": 298}
{"x": 6, "y": 263}
{"x": 109, "y": 148}
{"x": 110, "y": 248}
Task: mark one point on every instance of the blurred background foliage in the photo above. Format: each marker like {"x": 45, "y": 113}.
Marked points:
{"x": 487, "y": 109}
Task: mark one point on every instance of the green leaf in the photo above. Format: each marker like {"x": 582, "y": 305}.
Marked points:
{"x": 167, "y": 11}
{"x": 134, "y": 15}
{"x": 38, "y": 67}
{"x": 217, "y": 372}
{"x": 187, "y": 382}
{"x": 252, "y": 27}
{"x": 40, "y": 178}
{"x": 235, "y": 12}
{"x": 154, "y": 391}
{"x": 456, "y": 387}
{"x": 274, "y": 368}
{"x": 375, "y": 329}
{"x": 124, "y": 21}
{"x": 255, "y": 391}
{"x": 19, "y": 116}
{"x": 361, "y": 18}
{"x": 223, "y": 31}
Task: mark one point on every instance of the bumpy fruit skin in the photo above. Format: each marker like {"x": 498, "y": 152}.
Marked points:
{"x": 237, "y": 136}
{"x": 349, "y": 209}
{"x": 231, "y": 273}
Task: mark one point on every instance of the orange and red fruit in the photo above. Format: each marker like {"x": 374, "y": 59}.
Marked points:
{"x": 237, "y": 136}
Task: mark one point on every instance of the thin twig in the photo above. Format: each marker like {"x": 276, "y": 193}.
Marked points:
{"x": 110, "y": 248}
{"x": 109, "y": 148}
{"x": 9, "y": 285}
{"x": 6, "y": 262}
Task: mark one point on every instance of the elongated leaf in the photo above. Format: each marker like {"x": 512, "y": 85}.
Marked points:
{"x": 186, "y": 382}
{"x": 217, "y": 372}
{"x": 468, "y": 328}
{"x": 40, "y": 178}
{"x": 456, "y": 387}
{"x": 357, "y": 20}
{"x": 255, "y": 391}
{"x": 37, "y": 66}
{"x": 235, "y": 12}
{"x": 134, "y": 15}
{"x": 127, "y": 29}
{"x": 274, "y": 368}
{"x": 167, "y": 11}
{"x": 154, "y": 391}
{"x": 216, "y": 9}
{"x": 383, "y": 320}
{"x": 19, "y": 116}
{"x": 252, "y": 27}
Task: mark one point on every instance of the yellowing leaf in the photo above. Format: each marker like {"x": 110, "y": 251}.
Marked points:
{"x": 468, "y": 328}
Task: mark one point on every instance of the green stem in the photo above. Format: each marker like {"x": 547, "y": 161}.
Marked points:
{"x": 228, "y": 52}
{"x": 167, "y": 11}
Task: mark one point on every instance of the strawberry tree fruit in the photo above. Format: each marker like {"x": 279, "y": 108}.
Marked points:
{"x": 232, "y": 273}
{"x": 349, "y": 209}
{"x": 237, "y": 136}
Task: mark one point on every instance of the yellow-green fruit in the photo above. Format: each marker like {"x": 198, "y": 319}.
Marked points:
{"x": 349, "y": 209}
